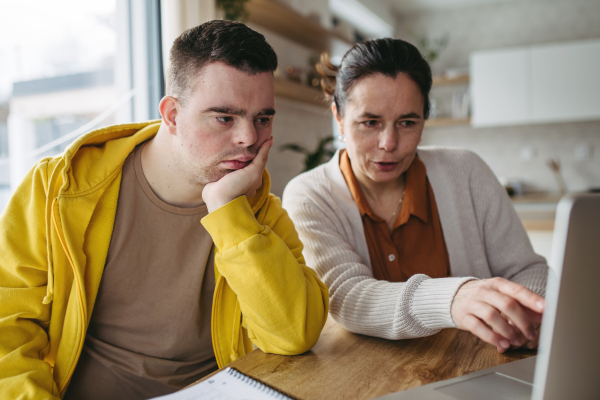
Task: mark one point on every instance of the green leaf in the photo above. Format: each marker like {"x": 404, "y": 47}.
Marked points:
{"x": 313, "y": 159}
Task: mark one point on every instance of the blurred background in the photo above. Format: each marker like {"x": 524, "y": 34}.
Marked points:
{"x": 516, "y": 81}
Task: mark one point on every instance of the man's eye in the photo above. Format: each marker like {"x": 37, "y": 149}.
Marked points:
{"x": 408, "y": 123}
{"x": 224, "y": 120}
{"x": 264, "y": 121}
{"x": 370, "y": 123}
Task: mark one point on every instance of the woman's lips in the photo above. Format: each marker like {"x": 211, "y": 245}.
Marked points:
{"x": 236, "y": 164}
{"x": 386, "y": 166}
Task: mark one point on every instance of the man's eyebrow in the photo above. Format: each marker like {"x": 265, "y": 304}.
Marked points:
{"x": 241, "y": 113}
{"x": 266, "y": 111}
{"x": 227, "y": 110}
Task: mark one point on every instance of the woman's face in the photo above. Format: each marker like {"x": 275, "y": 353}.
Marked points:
{"x": 382, "y": 122}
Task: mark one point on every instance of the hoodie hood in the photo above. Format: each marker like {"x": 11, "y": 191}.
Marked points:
{"x": 98, "y": 156}
{"x": 82, "y": 175}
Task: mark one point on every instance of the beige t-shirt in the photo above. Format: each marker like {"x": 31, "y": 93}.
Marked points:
{"x": 150, "y": 333}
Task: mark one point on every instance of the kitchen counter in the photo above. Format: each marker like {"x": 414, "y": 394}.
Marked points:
{"x": 536, "y": 198}
{"x": 537, "y": 211}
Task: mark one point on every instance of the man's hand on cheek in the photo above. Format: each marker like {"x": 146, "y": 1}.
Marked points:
{"x": 245, "y": 181}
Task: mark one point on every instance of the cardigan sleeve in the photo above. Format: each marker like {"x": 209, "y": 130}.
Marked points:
{"x": 507, "y": 246}
{"x": 421, "y": 306}
{"x": 360, "y": 303}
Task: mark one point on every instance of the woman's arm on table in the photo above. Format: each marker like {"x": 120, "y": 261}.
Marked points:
{"x": 360, "y": 303}
{"x": 509, "y": 306}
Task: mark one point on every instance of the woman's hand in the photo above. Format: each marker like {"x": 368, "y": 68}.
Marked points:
{"x": 531, "y": 344}
{"x": 500, "y": 312}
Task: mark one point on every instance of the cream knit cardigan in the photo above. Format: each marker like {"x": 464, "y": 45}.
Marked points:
{"x": 483, "y": 235}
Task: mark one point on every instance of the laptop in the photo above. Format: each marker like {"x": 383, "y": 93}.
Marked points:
{"x": 568, "y": 362}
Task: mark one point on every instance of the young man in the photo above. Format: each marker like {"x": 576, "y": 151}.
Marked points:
{"x": 110, "y": 286}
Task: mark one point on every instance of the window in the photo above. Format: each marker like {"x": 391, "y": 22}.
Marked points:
{"x": 67, "y": 67}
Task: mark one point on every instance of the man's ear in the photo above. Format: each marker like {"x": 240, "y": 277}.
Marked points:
{"x": 169, "y": 108}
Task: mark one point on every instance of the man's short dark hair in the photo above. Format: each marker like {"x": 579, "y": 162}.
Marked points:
{"x": 232, "y": 43}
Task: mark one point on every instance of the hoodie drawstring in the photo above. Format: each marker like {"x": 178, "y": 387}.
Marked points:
{"x": 50, "y": 287}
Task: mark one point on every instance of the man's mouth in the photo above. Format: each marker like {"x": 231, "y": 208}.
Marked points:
{"x": 238, "y": 163}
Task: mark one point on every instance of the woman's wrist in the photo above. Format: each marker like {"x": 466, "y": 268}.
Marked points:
{"x": 432, "y": 301}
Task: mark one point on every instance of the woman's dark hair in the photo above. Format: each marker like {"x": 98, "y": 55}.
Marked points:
{"x": 389, "y": 57}
{"x": 232, "y": 43}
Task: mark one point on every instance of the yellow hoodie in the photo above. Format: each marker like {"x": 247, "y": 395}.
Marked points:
{"x": 54, "y": 238}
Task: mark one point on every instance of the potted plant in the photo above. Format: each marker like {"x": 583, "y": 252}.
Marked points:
{"x": 313, "y": 159}
{"x": 234, "y": 10}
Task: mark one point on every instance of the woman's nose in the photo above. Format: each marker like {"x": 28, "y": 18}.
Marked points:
{"x": 388, "y": 139}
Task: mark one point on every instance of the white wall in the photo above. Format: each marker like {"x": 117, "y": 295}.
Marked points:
{"x": 502, "y": 149}
{"x": 517, "y": 23}
{"x": 294, "y": 123}
{"x": 504, "y": 24}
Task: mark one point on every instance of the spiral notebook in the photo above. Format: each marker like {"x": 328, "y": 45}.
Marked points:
{"x": 229, "y": 384}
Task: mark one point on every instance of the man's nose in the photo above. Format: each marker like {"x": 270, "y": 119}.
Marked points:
{"x": 245, "y": 134}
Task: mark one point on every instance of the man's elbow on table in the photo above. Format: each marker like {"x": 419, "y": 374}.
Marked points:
{"x": 292, "y": 345}
{"x": 294, "y": 337}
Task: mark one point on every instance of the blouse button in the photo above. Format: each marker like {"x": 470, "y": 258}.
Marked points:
{"x": 391, "y": 257}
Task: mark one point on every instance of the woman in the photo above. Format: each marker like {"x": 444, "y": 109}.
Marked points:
{"x": 411, "y": 240}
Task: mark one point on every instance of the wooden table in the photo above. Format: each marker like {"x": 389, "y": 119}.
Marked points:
{"x": 344, "y": 365}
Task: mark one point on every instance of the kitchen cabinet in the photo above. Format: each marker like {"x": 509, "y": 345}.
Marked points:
{"x": 565, "y": 81}
{"x": 500, "y": 87}
{"x": 536, "y": 84}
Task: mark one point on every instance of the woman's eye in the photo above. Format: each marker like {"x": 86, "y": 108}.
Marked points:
{"x": 224, "y": 120}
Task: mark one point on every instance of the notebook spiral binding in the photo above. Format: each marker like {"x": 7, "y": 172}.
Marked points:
{"x": 263, "y": 387}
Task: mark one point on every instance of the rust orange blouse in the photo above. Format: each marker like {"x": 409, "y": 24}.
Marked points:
{"x": 416, "y": 243}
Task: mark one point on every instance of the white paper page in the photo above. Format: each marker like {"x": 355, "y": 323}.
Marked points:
{"x": 225, "y": 386}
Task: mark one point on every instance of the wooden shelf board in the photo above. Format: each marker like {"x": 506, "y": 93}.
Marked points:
{"x": 285, "y": 21}
{"x": 296, "y": 91}
{"x": 446, "y": 122}
{"x": 442, "y": 80}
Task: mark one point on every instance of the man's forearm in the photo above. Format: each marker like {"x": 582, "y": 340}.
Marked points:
{"x": 283, "y": 302}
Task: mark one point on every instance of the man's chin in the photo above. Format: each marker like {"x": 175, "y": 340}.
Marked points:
{"x": 217, "y": 176}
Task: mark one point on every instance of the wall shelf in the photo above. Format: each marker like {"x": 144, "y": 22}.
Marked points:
{"x": 442, "y": 80}
{"x": 285, "y": 21}
{"x": 296, "y": 91}
{"x": 431, "y": 123}
{"x": 279, "y": 18}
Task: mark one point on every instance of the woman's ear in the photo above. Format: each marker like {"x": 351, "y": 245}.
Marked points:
{"x": 169, "y": 108}
{"x": 337, "y": 117}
